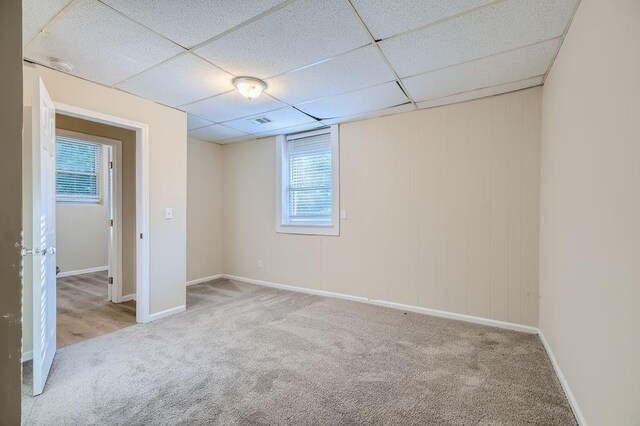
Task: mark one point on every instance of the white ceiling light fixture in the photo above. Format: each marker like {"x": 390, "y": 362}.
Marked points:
{"x": 249, "y": 87}
{"x": 61, "y": 65}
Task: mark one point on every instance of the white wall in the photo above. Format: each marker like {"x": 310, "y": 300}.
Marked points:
{"x": 167, "y": 178}
{"x": 204, "y": 209}
{"x": 590, "y": 211}
{"x": 442, "y": 211}
{"x": 81, "y": 236}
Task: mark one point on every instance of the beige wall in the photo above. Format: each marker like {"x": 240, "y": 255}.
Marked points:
{"x": 128, "y": 167}
{"x": 442, "y": 209}
{"x": 590, "y": 211}
{"x": 81, "y": 236}
{"x": 167, "y": 176}
{"x": 10, "y": 212}
{"x": 204, "y": 209}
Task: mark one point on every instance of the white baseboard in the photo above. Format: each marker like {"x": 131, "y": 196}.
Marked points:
{"x": 82, "y": 271}
{"x": 128, "y": 297}
{"x": 294, "y": 288}
{"x": 167, "y": 312}
{"x": 456, "y": 316}
{"x": 394, "y": 305}
{"x": 204, "y": 280}
{"x": 27, "y": 356}
{"x": 563, "y": 381}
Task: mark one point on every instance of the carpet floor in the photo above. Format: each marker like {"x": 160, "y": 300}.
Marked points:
{"x": 244, "y": 354}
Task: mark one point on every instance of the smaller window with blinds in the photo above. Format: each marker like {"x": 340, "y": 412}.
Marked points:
{"x": 79, "y": 170}
{"x": 308, "y": 182}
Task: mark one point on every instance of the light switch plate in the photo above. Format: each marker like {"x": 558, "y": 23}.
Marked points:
{"x": 168, "y": 213}
{"x": 343, "y": 214}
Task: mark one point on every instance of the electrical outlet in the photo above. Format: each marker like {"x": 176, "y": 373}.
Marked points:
{"x": 259, "y": 263}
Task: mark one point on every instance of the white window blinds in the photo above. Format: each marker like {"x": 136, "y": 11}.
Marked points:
{"x": 309, "y": 178}
{"x": 78, "y": 170}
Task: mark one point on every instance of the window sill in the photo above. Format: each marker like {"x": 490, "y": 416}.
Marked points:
{"x": 308, "y": 229}
{"x": 79, "y": 202}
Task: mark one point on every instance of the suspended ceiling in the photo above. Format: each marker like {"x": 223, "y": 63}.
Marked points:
{"x": 324, "y": 61}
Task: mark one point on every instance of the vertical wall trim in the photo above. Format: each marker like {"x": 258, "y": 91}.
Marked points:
{"x": 11, "y": 212}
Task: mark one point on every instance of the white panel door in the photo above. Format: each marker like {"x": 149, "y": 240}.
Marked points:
{"x": 44, "y": 235}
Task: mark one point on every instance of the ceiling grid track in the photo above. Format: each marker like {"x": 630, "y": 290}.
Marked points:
{"x": 52, "y": 22}
{"x": 374, "y": 43}
{"x": 188, "y": 50}
{"x": 564, "y": 34}
{"x": 371, "y": 95}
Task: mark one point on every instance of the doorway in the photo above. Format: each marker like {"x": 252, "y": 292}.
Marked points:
{"x": 140, "y": 180}
{"x": 39, "y": 205}
{"x": 95, "y": 229}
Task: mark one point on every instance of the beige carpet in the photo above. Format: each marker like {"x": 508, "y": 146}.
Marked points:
{"x": 243, "y": 354}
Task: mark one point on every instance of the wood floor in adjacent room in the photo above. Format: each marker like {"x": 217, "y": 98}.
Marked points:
{"x": 84, "y": 311}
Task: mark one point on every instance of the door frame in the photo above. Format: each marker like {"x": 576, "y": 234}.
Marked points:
{"x": 142, "y": 195}
{"x": 115, "y": 203}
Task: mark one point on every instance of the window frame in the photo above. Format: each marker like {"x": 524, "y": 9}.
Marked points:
{"x": 101, "y": 171}
{"x": 283, "y": 225}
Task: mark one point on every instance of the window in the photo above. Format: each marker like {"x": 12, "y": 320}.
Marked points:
{"x": 78, "y": 171}
{"x": 308, "y": 182}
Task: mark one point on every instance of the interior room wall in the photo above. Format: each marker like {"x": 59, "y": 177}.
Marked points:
{"x": 442, "y": 211}
{"x": 590, "y": 211}
{"x": 81, "y": 236}
{"x": 11, "y": 211}
{"x": 69, "y": 213}
{"x": 204, "y": 209}
{"x": 82, "y": 231}
{"x": 167, "y": 178}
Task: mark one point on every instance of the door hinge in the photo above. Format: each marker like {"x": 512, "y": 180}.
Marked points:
{"x": 110, "y": 222}
{"x": 111, "y": 164}
{"x": 30, "y": 252}
{"x": 110, "y": 280}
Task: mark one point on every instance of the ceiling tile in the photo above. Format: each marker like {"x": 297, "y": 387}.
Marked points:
{"x": 386, "y": 18}
{"x": 491, "y": 71}
{"x": 483, "y": 93}
{"x": 292, "y": 129}
{"x": 36, "y": 14}
{"x": 186, "y": 78}
{"x": 214, "y": 133}
{"x": 194, "y": 122}
{"x": 489, "y": 30}
{"x": 190, "y": 23}
{"x": 354, "y": 70}
{"x": 285, "y": 117}
{"x": 357, "y": 102}
{"x": 102, "y": 45}
{"x": 232, "y": 105}
{"x": 372, "y": 114}
{"x": 302, "y": 33}
{"x": 235, "y": 140}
